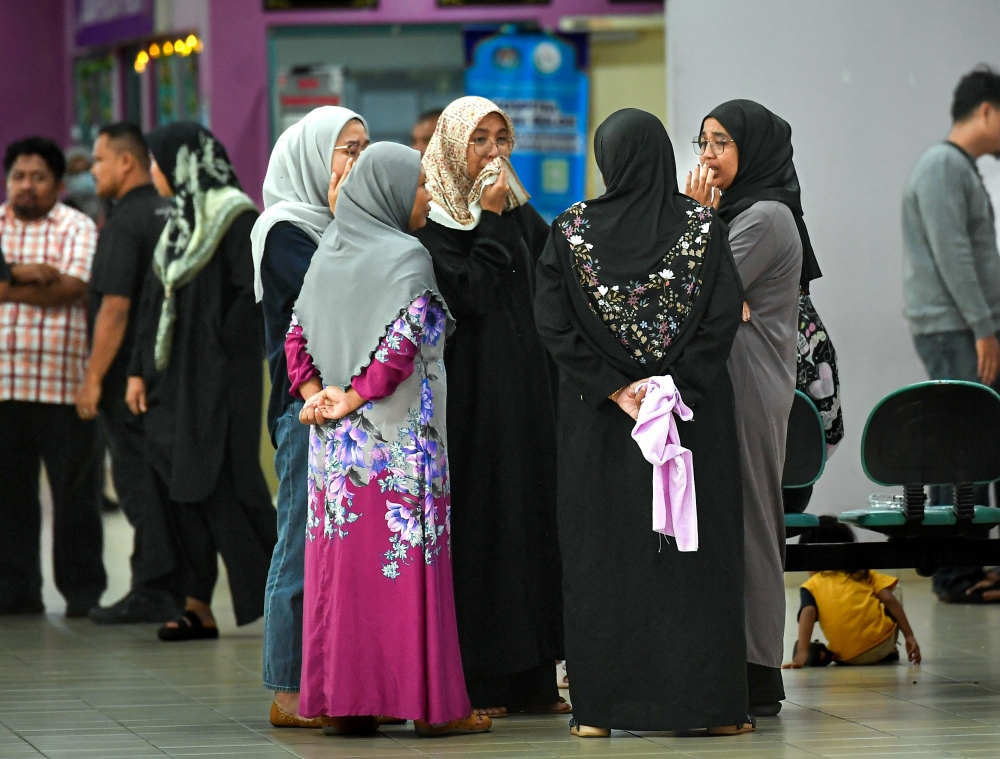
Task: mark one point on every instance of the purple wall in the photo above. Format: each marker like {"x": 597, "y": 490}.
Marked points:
{"x": 236, "y": 50}
{"x": 34, "y": 97}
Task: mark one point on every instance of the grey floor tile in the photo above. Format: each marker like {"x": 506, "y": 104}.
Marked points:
{"x": 75, "y": 690}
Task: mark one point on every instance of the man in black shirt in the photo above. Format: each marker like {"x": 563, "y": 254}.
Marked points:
{"x": 124, "y": 255}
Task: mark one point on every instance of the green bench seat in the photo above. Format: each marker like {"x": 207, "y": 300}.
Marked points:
{"x": 934, "y": 516}
{"x": 796, "y": 524}
{"x": 803, "y": 521}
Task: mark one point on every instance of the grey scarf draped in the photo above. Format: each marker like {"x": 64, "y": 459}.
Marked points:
{"x": 367, "y": 269}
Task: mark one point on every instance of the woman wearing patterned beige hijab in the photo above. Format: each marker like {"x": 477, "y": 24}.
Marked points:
{"x": 484, "y": 240}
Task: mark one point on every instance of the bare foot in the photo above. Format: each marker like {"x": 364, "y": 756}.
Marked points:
{"x": 558, "y": 707}
{"x": 288, "y": 702}
{"x": 493, "y": 711}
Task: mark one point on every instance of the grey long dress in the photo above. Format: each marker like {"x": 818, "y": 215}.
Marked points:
{"x": 768, "y": 253}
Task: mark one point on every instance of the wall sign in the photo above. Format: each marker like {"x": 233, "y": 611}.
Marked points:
{"x": 103, "y": 22}
{"x": 460, "y": 3}
{"x": 289, "y": 5}
{"x": 536, "y": 78}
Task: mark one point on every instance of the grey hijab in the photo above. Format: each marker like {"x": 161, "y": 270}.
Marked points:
{"x": 367, "y": 269}
{"x": 297, "y": 179}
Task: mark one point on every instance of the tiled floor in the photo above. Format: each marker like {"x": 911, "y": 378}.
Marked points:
{"x": 72, "y": 690}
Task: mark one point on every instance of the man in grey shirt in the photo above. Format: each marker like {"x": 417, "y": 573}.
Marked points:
{"x": 951, "y": 268}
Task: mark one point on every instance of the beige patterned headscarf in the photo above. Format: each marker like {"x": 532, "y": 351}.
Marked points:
{"x": 454, "y": 196}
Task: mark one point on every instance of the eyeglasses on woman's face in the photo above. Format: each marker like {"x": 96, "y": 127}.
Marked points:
{"x": 354, "y": 149}
{"x": 717, "y": 145}
{"x": 483, "y": 146}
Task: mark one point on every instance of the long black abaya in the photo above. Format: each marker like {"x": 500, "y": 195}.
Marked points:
{"x": 203, "y": 424}
{"x": 501, "y": 458}
{"x": 654, "y": 636}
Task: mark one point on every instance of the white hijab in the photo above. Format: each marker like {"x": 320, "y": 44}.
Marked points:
{"x": 297, "y": 179}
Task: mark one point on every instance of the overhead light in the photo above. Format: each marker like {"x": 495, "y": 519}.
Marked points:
{"x": 154, "y": 51}
{"x": 168, "y": 48}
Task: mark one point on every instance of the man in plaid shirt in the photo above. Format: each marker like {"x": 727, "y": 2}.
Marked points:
{"x": 48, "y": 248}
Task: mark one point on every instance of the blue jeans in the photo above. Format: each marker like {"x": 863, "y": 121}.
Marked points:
{"x": 283, "y": 594}
{"x": 951, "y": 355}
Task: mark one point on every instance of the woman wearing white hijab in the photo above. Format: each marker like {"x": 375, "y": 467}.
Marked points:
{"x": 308, "y": 164}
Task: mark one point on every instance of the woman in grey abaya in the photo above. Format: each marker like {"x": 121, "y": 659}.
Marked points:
{"x": 746, "y": 153}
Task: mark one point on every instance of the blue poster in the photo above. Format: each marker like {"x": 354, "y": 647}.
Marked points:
{"x": 537, "y": 80}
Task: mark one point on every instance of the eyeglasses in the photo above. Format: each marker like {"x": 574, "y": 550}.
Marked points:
{"x": 354, "y": 149}
{"x": 701, "y": 145}
{"x": 484, "y": 146}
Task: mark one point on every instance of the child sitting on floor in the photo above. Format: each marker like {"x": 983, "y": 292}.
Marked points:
{"x": 860, "y": 611}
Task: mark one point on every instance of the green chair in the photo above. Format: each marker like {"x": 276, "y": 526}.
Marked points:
{"x": 805, "y": 457}
{"x": 932, "y": 433}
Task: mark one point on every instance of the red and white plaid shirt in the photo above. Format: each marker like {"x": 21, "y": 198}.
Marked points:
{"x": 43, "y": 350}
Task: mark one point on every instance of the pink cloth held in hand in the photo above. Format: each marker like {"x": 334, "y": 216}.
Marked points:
{"x": 675, "y": 511}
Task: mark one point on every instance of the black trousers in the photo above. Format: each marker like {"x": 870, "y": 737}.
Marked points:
{"x": 243, "y": 534}
{"x": 31, "y": 433}
{"x": 153, "y": 561}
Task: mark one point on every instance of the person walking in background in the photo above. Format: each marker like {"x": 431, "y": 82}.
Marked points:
{"x": 308, "y": 165}
{"x": 746, "y": 153}
{"x": 379, "y": 630}
{"x": 196, "y": 376}
{"x": 121, "y": 263}
{"x": 423, "y": 130}
{"x": 43, "y": 331}
{"x": 951, "y": 267}
{"x": 640, "y": 282}
{"x": 484, "y": 240}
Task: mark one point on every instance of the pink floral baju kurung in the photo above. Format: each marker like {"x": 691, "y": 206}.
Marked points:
{"x": 379, "y": 630}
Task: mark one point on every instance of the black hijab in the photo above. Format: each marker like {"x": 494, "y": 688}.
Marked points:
{"x": 641, "y": 213}
{"x": 641, "y": 254}
{"x": 766, "y": 171}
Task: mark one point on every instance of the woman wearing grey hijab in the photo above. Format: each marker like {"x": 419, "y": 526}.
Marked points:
{"x": 379, "y": 629}
{"x": 308, "y": 163}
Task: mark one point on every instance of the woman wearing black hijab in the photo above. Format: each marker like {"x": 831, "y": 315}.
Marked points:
{"x": 746, "y": 152}
{"x": 638, "y": 283}
{"x": 196, "y": 377}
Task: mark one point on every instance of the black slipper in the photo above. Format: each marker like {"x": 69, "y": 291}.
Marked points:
{"x": 189, "y": 627}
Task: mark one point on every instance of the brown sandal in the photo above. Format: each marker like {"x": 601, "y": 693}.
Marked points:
{"x": 281, "y": 718}
{"x": 750, "y": 726}
{"x": 474, "y": 723}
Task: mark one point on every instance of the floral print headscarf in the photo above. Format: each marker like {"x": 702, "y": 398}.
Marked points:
{"x": 207, "y": 199}
{"x": 454, "y": 196}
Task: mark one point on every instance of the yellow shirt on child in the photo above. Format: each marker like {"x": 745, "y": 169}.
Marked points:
{"x": 852, "y": 617}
